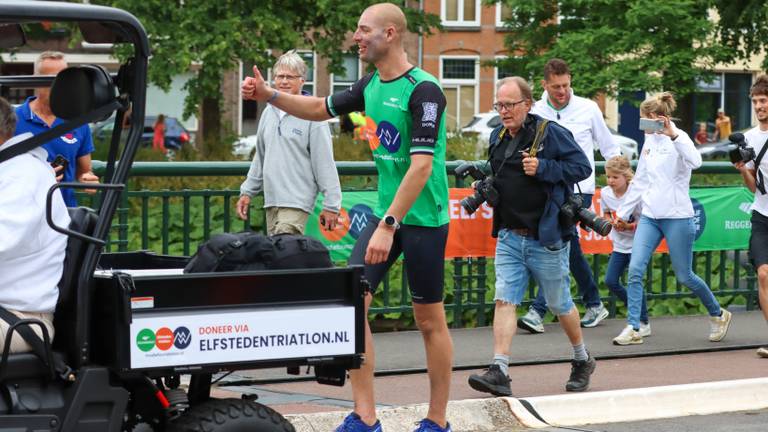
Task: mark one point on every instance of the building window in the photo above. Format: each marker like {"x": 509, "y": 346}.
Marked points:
{"x": 722, "y": 90}
{"x": 500, "y": 72}
{"x": 459, "y": 78}
{"x": 343, "y": 81}
{"x": 460, "y": 12}
{"x": 503, "y": 14}
{"x": 309, "y": 80}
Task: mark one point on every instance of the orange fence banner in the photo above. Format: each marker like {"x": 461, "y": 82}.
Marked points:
{"x": 470, "y": 235}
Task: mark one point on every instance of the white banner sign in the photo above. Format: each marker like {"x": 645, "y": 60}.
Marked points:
{"x": 161, "y": 340}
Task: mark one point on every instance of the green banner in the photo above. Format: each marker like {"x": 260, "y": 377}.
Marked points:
{"x": 722, "y": 218}
{"x": 357, "y": 209}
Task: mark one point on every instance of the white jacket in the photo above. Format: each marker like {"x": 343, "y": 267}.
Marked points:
{"x": 585, "y": 121}
{"x": 663, "y": 176}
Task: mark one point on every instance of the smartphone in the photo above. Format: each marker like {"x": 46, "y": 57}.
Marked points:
{"x": 60, "y": 161}
{"x": 650, "y": 126}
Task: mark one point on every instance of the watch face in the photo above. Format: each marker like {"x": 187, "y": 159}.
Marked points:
{"x": 389, "y": 220}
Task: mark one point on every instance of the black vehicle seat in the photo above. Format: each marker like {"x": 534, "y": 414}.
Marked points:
{"x": 83, "y": 221}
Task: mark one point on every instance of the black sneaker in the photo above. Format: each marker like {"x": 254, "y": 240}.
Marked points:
{"x": 493, "y": 381}
{"x": 580, "y": 372}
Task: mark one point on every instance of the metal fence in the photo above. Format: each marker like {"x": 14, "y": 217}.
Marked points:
{"x": 175, "y": 221}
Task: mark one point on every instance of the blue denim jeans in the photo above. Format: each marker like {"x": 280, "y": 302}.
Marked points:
{"x": 617, "y": 263}
{"x": 581, "y": 270}
{"x": 680, "y": 234}
{"x": 518, "y": 258}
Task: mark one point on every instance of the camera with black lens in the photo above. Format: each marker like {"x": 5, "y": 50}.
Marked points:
{"x": 742, "y": 152}
{"x": 573, "y": 211}
{"x": 484, "y": 190}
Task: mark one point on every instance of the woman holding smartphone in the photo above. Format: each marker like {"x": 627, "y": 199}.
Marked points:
{"x": 661, "y": 185}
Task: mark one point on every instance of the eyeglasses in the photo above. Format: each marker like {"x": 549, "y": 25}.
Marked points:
{"x": 287, "y": 77}
{"x": 508, "y": 106}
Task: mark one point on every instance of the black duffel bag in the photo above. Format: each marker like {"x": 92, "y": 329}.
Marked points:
{"x": 249, "y": 250}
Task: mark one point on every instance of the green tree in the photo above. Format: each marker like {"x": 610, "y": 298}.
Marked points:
{"x": 616, "y": 45}
{"x": 743, "y": 27}
{"x": 210, "y": 37}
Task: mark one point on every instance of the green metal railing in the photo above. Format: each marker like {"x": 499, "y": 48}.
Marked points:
{"x": 175, "y": 221}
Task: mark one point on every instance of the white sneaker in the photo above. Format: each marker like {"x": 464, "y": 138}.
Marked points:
{"x": 593, "y": 316}
{"x": 718, "y": 326}
{"x": 532, "y": 322}
{"x": 645, "y": 329}
{"x": 628, "y": 336}
{"x": 762, "y": 352}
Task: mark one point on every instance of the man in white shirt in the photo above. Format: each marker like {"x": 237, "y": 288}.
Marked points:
{"x": 31, "y": 252}
{"x": 584, "y": 119}
{"x": 754, "y": 174}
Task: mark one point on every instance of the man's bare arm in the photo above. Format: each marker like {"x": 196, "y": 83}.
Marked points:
{"x": 305, "y": 107}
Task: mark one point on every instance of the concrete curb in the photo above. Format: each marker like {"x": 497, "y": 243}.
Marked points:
{"x": 509, "y": 414}
{"x": 645, "y": 403}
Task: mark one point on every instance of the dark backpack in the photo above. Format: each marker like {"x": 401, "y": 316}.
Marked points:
{"x": 253, "y": 251}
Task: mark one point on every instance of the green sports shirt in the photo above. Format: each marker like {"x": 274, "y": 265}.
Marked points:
{"x": 404, "y": 116}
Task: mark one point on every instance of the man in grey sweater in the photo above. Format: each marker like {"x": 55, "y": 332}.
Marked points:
{"x": 292, "y": 163}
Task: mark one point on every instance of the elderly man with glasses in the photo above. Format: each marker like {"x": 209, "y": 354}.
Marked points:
{"x": 535, "y": 164}
{"x": 292, "y": 163}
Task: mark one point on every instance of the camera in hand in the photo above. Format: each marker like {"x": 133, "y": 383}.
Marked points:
{"x": 484, "y": 190}
{"x": 742, "y": 152}
{"x": 573, "y": 211}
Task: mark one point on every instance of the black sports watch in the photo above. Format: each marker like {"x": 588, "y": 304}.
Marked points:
{"x": 391, "y": 221}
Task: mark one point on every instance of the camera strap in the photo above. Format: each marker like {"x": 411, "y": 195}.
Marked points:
{"x": 759, "y": 179}
{"x": 540, "y": 128}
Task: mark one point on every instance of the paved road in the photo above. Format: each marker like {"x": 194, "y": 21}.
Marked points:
{"x": 527, "y": 381}
{"x": 748, "y": 421}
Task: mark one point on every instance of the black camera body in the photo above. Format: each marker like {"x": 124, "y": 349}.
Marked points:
{"x": 742, "y": 152}
{"x": 484, "y": 190}
{"x": 573, "y": 211}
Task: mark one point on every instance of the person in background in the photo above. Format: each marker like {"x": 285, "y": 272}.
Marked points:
{"x": 661, "y": 185}
{"x": 583, "y": 118}
{"x": 722, "y": 125}
{"x": 701, "y": 136}
{"x": 293, "y": 161}
{"x": 35, "y": 116}
{"x": 618, "y": 173}
{"x": 158, "y": 138}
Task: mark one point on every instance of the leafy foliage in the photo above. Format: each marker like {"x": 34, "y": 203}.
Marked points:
{"x": 616, "y": 45}
{"x": 743, "y": 26}
{"x": 211, "y": 37}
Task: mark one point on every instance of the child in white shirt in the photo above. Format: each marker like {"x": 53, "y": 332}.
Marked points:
{"x": 619, "y": 173}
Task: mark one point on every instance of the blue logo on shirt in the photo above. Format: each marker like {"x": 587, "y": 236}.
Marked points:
{"x": 359, "y": 215}
{"x": 389, "y": 136}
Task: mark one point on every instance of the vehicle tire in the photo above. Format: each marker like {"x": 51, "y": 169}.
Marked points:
{"x": 230, "y": 415}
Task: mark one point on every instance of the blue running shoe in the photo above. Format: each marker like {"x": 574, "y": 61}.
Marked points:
{"x": 427, "y": 425}
{"x": 353, "y": 423}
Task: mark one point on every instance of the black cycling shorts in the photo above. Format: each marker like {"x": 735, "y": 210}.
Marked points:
{"x": 424, "y": 251}
{"x": 758, "y": 241}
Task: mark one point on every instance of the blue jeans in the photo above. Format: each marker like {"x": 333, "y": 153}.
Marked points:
{"x": 581, "y": 270}
{"x": 518, "y": 258}
{"x": 617, "y": 263}
{"x": 680, "y": 234}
